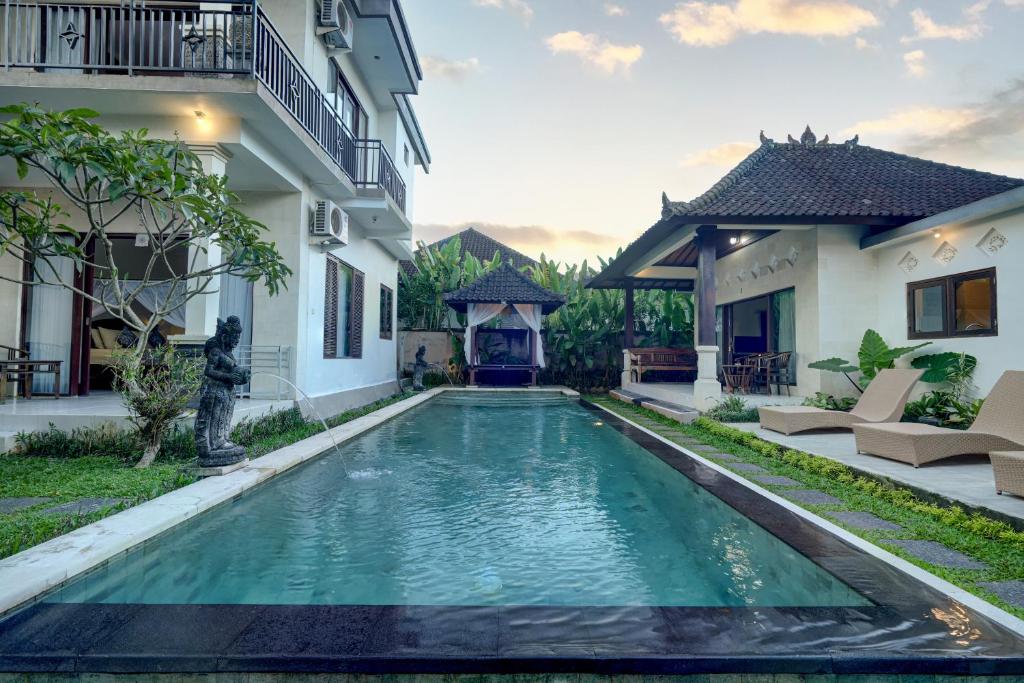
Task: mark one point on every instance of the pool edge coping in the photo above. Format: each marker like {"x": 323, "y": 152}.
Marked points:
{"x": 983, "y": 607}
{"x": 35, "y": 571}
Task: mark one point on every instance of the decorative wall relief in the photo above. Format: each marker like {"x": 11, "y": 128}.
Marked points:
{"x": 741, "y": 276}
{"x": 992, "y": 242}
{"x": 908, "y": 263}
{"x": 773, "y": 263}
{"x": 792, "y": 256}
{"x": 755, "y": 270}
{"x": 945, "y": 253}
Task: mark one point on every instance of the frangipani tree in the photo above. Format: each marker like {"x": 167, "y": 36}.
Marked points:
{"x": 109, "y": 178}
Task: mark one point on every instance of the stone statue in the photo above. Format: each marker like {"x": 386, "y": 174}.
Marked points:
{"x": 217, "y": 397}
{"x": 418, "y": 369}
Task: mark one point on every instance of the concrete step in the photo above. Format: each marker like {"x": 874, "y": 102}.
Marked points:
{"x": 670, "y": 410}
{"x": 6, "y": 441}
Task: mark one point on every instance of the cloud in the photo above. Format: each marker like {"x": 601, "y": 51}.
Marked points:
{"x": 594, "y": 50}
{"x": 520, "y": 8}
{"x": 914, "y": 61}
{"x": 862, "y": 44}
{"x": 728, "y": 154}
{"x": 613, "y": 10}
{"x": 451, "y": 69}
{"x": 972, "y": 27}
{"x": 938, "y": 121}
{"x": 532, "y": 240}
{"x": 971, "y": 134}
{"x": 710, "y": 24}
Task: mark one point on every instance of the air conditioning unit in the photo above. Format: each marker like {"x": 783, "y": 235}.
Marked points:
{"x": 335, "y": 24}
{"x": 330, "y": 223}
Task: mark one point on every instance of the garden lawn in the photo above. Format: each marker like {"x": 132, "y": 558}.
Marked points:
{"x": 32, "y": 473}
{"x": 991, "y": 541}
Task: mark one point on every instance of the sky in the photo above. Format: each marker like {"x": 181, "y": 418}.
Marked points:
{"x": 555, "y": 125}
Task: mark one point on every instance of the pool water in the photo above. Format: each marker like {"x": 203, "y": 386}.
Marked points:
{"x": 473, "y": 500}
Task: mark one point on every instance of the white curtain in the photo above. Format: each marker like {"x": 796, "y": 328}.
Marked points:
{"x": 531, "y": 315}
{"x": 49, "y": 323}
{"x": 236, "y": 299}
{"x": 478, "y": 314}
{"x": 150, "y": 298}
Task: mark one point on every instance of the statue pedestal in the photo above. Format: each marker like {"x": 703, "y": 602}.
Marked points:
{"x": 220, "y": 471}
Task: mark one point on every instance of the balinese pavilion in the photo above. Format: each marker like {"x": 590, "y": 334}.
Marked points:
{"x": 806, "y": 244}
{"x": 504, "y": 310}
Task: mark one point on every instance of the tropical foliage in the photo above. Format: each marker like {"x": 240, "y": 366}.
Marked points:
{"x": 951, "y": 405}
{"x": 582, "y": 340}
{"x": 830, "y": 402}
{"x": 733, "y": 409}
{"x": 873, "y": 357}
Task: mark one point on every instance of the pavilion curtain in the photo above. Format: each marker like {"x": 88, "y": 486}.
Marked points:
{"x": 478, "y": 314}
{"x": 49, "y": 323}
{"x": 531, "y": 315}
{"x": 150, "y": 298}
{"x": 784, "y": 314}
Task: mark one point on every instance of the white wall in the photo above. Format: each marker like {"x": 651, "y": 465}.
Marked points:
{"x": 736, "y": 283}
{"x": 995, "y": 354}
{"x": 324, "y": 376}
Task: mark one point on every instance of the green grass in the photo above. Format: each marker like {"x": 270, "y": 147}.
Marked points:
{"x": 986, "y": 539}
{"x": 78, "y": 476}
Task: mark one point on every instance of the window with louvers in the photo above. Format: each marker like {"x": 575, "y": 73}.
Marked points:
{"x": 343, "y": 310}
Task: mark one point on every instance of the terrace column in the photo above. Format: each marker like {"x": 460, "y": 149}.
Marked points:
{"x": 629, "y": 328}
{"x": 201, "y": 312}
{"x": 707, "y": 390}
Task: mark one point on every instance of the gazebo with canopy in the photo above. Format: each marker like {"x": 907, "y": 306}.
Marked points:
{"x": 510, "y": 350}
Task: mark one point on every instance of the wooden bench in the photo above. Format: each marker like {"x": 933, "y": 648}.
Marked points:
{"x": 660, "y": 358}
{"x": 20, "y": 368}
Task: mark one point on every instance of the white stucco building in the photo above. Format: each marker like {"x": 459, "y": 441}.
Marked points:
{"x": 298, "y": 104}
{"x": 806, "y": 244}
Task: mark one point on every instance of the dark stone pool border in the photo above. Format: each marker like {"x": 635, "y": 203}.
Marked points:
{"x": 910, "y": 629}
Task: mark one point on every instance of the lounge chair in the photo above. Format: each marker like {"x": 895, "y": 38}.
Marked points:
{"x": 998, "y": 427}
{"x": 883, "y": 401}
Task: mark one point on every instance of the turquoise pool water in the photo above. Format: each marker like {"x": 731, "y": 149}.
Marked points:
{"x": 473, "y": 500}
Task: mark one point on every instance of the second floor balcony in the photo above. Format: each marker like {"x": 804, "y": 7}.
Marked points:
{"x": 176, "y": 39}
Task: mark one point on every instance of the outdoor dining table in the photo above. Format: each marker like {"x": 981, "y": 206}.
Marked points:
{"x": 25, "y": 369}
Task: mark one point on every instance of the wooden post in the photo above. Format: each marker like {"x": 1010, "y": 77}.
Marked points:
{"x": 706, "y": 295}
{"x": 630, "y": 323}
{"x": 706, "y": 389}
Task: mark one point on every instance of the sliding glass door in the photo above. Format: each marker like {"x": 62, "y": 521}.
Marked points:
{"x": 764, "y": 324}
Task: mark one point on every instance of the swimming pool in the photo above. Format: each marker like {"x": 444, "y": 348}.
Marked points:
{"x": 503, "y": 533}
{"x": 474, "y": 500}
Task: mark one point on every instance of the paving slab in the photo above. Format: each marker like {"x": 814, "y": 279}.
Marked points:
{"x": 83, "y": 506}
{"x": 774, "y": 480}
{"x": 937, "y": 554}
{"x": 748, "y": 467}
{"x": 1010, "y": 591}
{"x": 725, "y": 457}
{"x": 864, "y": 520}
{"x": 812, "y": 497}
{"x": 9, "y": 505}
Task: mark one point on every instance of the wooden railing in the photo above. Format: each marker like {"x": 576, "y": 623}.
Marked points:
{"x": 175, "y": 39}
{"x": 377, "y": 169}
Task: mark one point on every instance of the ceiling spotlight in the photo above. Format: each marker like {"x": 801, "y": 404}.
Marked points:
{"x": 733, "y": 240}
{"x": 744, "y": 240}
{"x": 936, "y": 234}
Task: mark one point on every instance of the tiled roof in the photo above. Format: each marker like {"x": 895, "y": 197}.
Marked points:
{"x": 808, "y": 178}
{"x": 504, "y": 285}
{"x": 483, "y": 248}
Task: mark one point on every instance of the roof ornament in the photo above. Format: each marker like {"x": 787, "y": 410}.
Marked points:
{"x": 852, "y": 142}
{"x": 808, "y": 137}
{"x": 765, "y": 140}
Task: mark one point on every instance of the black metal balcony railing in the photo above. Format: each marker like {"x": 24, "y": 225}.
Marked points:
{"x": 377, "y": 169}
{"x": 175, "y": 39}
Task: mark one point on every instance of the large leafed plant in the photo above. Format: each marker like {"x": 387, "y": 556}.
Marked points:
{"x": 873, "y": 356}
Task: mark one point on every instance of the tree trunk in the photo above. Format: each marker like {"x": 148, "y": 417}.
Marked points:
{"x": 149, "y": 454}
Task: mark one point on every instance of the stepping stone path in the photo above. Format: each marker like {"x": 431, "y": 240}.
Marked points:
{"x": 83, "y": 506}
{"x": 864, "y": 520}
{"x": 9, "y": 505}
{"x": 937, "y": 554}
{"x": 747, "y": 467}
{"x": 1010, "y": 591}
{"x": 812, "y": 497}
{"x": 773, "y": 480}
{"x": 725, "y": 457}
